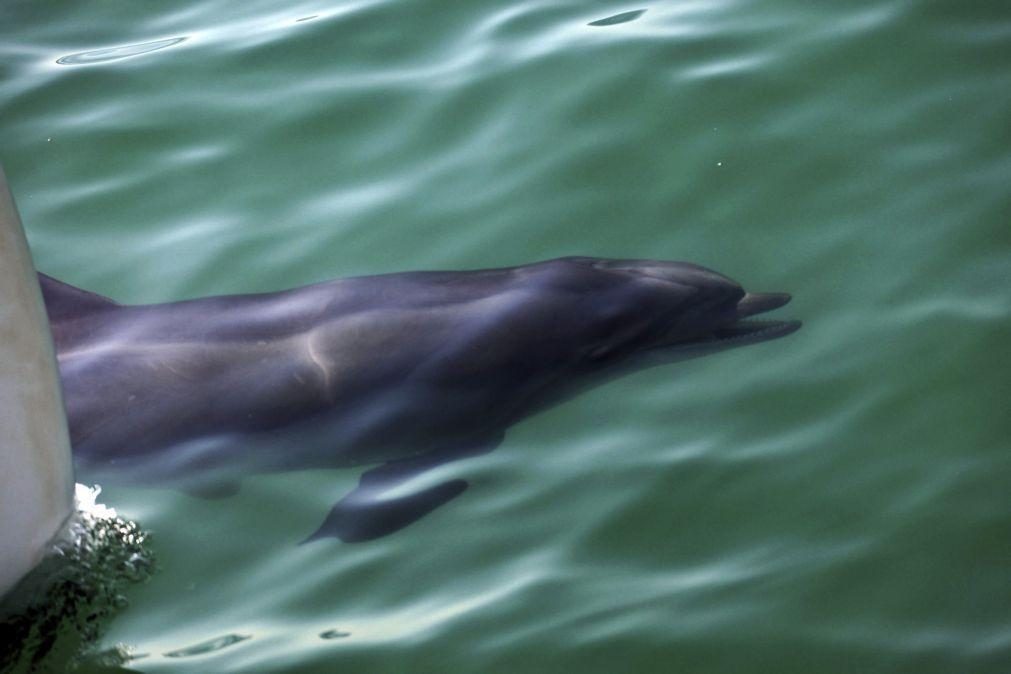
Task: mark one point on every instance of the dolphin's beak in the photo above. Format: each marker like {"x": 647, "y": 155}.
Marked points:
{"x": 759, "y": 303}
{"x": 745, "y": 331}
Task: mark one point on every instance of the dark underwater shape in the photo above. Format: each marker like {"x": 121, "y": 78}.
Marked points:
{"x": 409, "y": 370}
{"x": 624, "y": 17}
{"x": 334, "y": 634}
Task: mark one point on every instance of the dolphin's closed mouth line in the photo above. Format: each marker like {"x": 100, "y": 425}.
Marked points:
{"x": 752, "y": 330}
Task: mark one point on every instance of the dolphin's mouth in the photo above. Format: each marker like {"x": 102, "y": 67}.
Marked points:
{"x": 742, "y": 329}
{"x": 749, "y": 332}
{"x": 745, "y": 330}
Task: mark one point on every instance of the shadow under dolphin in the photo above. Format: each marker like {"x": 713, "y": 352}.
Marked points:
{"x": 408, "y": 370}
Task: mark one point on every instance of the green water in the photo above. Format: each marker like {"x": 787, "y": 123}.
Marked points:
{"x": 837, "y": 501}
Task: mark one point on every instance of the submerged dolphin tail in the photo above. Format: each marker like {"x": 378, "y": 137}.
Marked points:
{"x": 36, "y": 478}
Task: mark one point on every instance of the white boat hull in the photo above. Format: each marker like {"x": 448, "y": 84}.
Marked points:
{"x": 36, "y": 475}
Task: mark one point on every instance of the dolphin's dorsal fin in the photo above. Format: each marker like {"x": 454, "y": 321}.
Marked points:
{"x": 65, "y": 302}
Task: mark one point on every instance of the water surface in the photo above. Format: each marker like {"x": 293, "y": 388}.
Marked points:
{"x": 832, "y": 502}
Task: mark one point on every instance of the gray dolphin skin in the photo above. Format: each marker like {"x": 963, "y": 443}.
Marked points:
{"x": 407, "y": 370}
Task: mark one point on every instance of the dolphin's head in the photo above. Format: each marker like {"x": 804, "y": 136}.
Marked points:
{"x": 502, "y": 343}
{"x": 638, "y": 313}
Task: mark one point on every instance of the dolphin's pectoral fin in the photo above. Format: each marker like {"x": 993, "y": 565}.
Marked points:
{"x": 363, "y": 515}
{"x": 366, "y": 513}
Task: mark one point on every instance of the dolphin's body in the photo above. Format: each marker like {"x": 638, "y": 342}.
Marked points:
{"x": 406, "y": 370}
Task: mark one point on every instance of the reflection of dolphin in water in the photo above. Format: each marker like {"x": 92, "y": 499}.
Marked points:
{"x": 406, "y": 370}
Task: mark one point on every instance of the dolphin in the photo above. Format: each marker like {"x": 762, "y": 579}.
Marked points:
{"x": 406, "y": 370}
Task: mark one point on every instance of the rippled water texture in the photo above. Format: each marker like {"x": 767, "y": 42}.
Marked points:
{"x": 836, "y": 501}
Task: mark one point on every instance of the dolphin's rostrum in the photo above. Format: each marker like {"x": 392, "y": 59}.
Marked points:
{"x": 405, "y": 370}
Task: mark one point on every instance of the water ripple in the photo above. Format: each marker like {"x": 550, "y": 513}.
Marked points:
{"x": 208, "y": 646}
{"x": 86, "y": 58}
